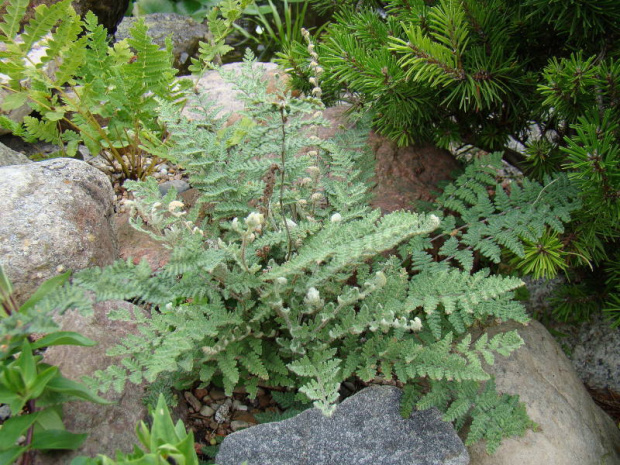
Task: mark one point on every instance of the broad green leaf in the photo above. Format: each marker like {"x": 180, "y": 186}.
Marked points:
{"x": 50, "y": 418}
{"x": 57, "y": 440}
{"x": 55, "y": 115}
{"x": 11, "y": 455}
{"x": 15, "y": 427}
{"x": 63, "y": 338}
{"x": 12, "y": 399}
{"x": 69, "y": 387}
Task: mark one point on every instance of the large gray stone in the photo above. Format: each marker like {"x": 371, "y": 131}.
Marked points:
{"x": 110, "y": 427}
{"x": 184, "y": 32}
{"x": 9, "y": 156}
{"x": 573, "y": 429}
{"x": 596, "y": 354}
{"x": 366, "y": 428}
{"x": 55, "y": 215}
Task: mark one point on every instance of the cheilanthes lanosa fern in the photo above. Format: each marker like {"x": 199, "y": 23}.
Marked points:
{"x": 282, "y": 275}
{"x": 84, "y": 90}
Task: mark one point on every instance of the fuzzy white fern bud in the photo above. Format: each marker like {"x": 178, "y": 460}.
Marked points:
{"x": 313, "y": 298}
{"x": 313, "y": 171}
{"x": 336, "y": 218}
{"x": 435, "y": 221}
{"x": 254, "y": 221}
{"x": 173, "y": 206}
{"x": 380, "y": 279}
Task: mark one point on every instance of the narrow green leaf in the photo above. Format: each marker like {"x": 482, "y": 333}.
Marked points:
{"x": 27, "y": 365}
{"x": 44, "y": 289}
{"x": 35, "y": 389}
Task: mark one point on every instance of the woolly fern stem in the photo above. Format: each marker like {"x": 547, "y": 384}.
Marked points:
{"x": 282, "y": 176}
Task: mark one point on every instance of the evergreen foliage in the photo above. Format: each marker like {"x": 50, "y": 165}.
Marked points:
{"x": 84, "y": 90}
{"x": 489, "y": 74}
{"x": 281, "y": 275}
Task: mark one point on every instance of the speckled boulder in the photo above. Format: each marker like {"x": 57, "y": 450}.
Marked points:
{"x": 9, "y": 156}
{"x": 573, "y": 430}
{"x": 366, "y": 428}
{"x": 55, "y": 215}
{"x": 184, "y": 32}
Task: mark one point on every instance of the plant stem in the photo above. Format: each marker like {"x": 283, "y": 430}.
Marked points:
{"x": 282, "y": 173}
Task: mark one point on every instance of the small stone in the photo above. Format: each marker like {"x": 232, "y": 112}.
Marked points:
{"x": 222, "y": 414}
{"x": 180, "y": 186}
{"x": 240, "y": 390}
{"x": 238, "y": 405}
{"x": 236, "y": 425}
{"x": 349, "y": 385}
{"x": 192, "y": 401}
{"x": 217, "y": 394}
{"x": 213, "y": 425}
{"x": 244, "y": 416}
{"x": 5, "y": 412}
{"x": 207, "y": 411}
{"x": 201, "y": 393}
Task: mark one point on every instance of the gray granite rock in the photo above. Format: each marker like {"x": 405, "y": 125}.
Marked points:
{"x": 366, "y": 428}
{"x": 593, "y": 346}
{"x": 596, "y": 354}
{"x": 573, "y": 430}
{"x": 55, "y": 215}
{"x": 9, "y": 157}
{"x": 184, "y": 32}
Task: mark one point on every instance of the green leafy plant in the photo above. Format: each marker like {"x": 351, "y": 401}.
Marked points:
{"x": 281, "y": 275}
{"x": 164, "y": 442}
{"x": 276, "y": 25}
{"x": 197, "y": 9}
{"x": 84, "y": 90}
{"x": 33, "y": 390}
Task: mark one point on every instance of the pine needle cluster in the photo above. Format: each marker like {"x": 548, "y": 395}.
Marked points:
{"x": 491, "y": 74}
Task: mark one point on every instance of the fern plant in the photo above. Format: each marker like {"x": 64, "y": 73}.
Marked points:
{"x": 282, "y": 275}
{"x": 101, "y": 96}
